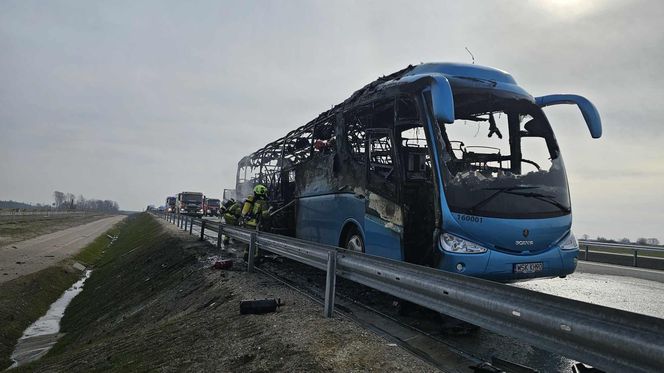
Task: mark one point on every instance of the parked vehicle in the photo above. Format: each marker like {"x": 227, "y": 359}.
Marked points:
{"x": 190, "y": 203}
{"x": 447, "y": 165}
{"x": 211, "y": 206}
{"x": 170, "y": 204}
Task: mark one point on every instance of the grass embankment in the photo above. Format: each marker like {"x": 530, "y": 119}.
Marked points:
{"x": 153, "y": 304}
{"x": 130, "y": 272}
{"x": 18, "y": 228}
{"x": 25, "y": 299}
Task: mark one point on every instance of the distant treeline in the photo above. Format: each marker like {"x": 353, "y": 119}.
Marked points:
{"x": 639, "y": 241}
{"x": 18, "y": 205}
{"x": 70, "y": 202}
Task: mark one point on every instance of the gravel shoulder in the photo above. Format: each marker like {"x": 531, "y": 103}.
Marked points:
{"x": 153, "y": 302}
{"x": 25, "y": 257}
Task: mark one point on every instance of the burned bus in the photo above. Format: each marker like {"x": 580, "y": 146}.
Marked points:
{"x": 452, "y": 166}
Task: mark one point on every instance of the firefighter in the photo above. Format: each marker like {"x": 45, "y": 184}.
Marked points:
{"x": 232, "y": 212}
{"x": 255, "y": 212}
{"x": 256, "y": 207}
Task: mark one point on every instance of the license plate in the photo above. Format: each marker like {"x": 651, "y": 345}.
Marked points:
{"x": 528, "y": 267}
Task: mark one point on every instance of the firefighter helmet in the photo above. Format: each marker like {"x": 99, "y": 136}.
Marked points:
{"x": 260, "y": 190}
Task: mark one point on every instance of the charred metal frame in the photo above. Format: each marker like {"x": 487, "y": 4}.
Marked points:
{"x": 279, "y": 158}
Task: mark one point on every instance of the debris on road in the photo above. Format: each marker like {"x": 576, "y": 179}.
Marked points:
{"x": 259, "y": 306}
{"x": 223, "y": 264}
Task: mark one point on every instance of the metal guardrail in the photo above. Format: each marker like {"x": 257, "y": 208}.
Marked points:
{"x": 607, "y": 338}
{"x": 586, "y": 245}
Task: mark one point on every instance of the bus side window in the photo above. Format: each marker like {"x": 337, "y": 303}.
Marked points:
{"x": 324, "y": 136}
{"x": 381, "y": 175}
{"x": 298, "y": 145}
{"x": 416, "y": 159}
{"x": 412, "y": 141}
{"x": 356, "y": 136}
{"x": 381, "y": 159}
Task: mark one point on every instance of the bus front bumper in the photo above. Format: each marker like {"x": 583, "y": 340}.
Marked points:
{"x": 505, "y": 267}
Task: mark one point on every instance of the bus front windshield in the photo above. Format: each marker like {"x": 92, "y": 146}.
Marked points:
{"x": 502, "y": 160}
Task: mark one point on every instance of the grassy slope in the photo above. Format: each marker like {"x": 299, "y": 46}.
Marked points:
{"x": 131, "y": 271}
{"x": 145, "y": 308}
{"x": 25, "y": 299}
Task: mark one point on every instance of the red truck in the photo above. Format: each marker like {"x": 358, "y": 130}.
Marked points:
{"x": 211, "y": 206}
{"x": 190, "y": 203}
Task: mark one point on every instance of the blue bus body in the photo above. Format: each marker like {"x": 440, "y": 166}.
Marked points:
{"x": 389, "y": 172}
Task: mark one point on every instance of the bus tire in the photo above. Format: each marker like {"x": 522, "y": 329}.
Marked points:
{"x": 354, "y": 241}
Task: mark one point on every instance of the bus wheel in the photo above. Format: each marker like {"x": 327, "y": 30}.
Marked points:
{"x": 354, "y": 241}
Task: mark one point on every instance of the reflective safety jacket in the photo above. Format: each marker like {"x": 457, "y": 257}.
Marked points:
{"x": 233, "y": 213}
{"x": 255, "y": 209}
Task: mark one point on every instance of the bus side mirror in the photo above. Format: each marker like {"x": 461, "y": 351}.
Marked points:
{"x": 589, "y": 111}
{"x": 442, "y": 99}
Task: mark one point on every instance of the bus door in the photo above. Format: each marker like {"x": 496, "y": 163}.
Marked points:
{"x": 383, "y": 218}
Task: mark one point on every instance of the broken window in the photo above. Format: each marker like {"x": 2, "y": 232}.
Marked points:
{"x": 298, "y": 145}
{"x": 324, "y": 136}
{"x": 381, "y": 156}
{"x": 356, "y": 122}
{"x": 502, "y": 160}
{"x": 417, "y": 161}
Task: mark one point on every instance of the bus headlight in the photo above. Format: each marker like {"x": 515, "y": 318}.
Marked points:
{"x": 458, "y": 245}
{"x": 569, "y": 242}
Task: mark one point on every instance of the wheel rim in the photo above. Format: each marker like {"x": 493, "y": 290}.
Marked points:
{"x": 355, "y": 244}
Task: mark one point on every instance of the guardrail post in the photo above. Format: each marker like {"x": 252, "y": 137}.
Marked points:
{"x": 252, "y": 252}
{"x": 636, "y": 259}
{"x": 202, "y": 230}
{"x": 219, "y": 233}
{"x": 330, "y": 282}
{"x": 191, "y": 225}
{"x": 178, "y": 220}
{"x": 586, "y": 257}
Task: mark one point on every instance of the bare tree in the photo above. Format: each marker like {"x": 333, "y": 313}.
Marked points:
{"x": 59, "y": 199}
{"x": 69, "y": 201}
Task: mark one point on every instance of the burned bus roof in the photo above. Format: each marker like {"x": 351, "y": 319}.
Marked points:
{"x": 459, "y": 74}
{"x": 463, "y": 70}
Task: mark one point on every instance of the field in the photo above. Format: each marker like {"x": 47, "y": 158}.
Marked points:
{"x": 18, "y": 228}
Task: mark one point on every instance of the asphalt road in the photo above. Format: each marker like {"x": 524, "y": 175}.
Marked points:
{"x": 631, "y": 289}
{"x": 22, "y": 258}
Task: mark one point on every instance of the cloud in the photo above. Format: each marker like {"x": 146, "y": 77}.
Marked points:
{"x": 134, "y": 101}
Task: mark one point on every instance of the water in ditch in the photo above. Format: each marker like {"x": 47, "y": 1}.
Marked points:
{"x": 39, "y": 337}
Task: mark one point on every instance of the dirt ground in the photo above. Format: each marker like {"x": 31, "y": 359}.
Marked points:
{"x": 154, "y": 303}
{"x": 24, "y": 257}
{"x": 15, "y": 228}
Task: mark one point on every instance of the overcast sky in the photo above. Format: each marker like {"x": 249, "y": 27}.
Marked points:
{"x": 136, "y": 100}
